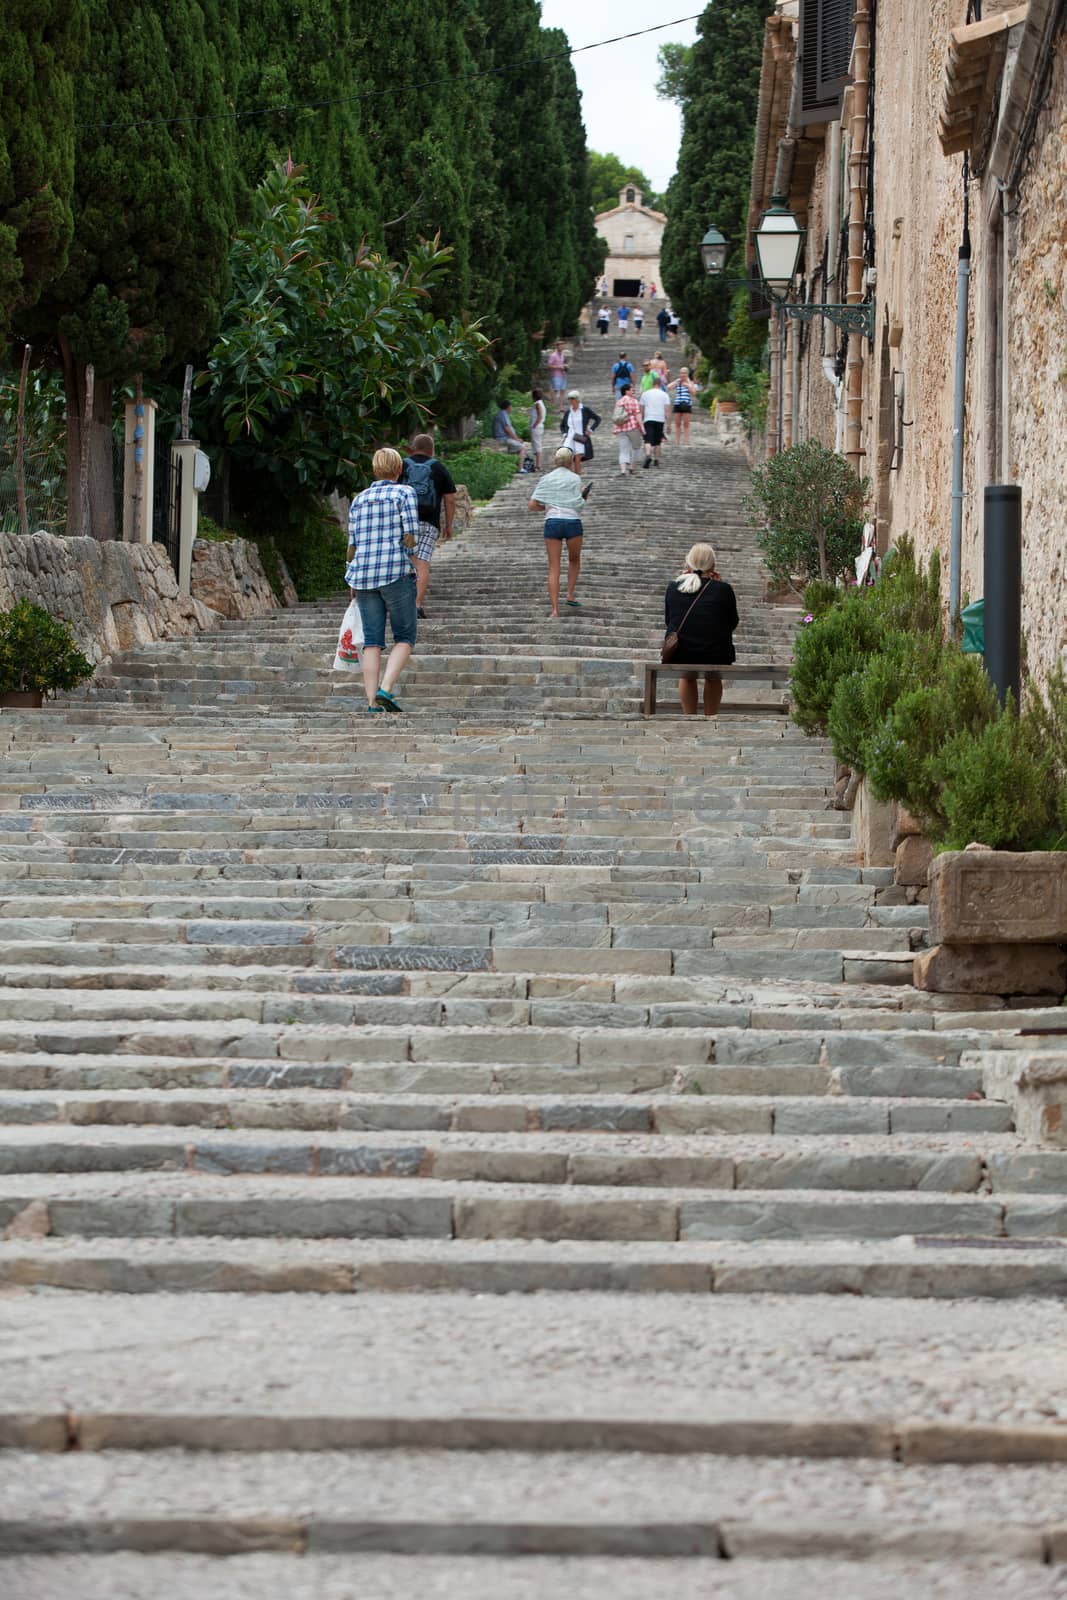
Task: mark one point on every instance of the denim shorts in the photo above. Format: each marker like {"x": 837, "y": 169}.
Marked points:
{"x": 397, "y": 600}
{"x": 563, "y": 527}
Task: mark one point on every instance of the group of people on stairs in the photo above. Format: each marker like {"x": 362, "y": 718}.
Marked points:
{"x": 394, "y": 526}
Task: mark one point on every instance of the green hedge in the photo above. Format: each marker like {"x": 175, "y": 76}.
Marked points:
{"x": 483, "y": 472}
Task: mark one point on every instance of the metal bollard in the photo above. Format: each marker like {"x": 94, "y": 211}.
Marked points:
{"x": 1003, "y": 586}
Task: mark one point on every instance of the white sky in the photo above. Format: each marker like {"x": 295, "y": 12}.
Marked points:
{"x": 618, "y": 83}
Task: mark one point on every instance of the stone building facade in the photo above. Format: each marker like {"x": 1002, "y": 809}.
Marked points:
{"x": 634, "y": 233}
{"x": 943, "y": 108}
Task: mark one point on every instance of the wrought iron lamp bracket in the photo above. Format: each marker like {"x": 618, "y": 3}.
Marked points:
{"x": 850, "y": 319}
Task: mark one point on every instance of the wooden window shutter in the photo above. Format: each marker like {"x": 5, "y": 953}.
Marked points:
{"x": 835, "y": 47}
{"x": 825, "y": 48}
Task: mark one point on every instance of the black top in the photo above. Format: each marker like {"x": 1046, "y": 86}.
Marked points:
{"x": 707, "y": 634}
{"x": 442, "y": 481}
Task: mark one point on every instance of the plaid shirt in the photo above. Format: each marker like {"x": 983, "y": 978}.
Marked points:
{"x": 378, "y": 519}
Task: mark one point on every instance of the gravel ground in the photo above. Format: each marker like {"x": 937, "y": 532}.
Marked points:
{"x": 689, "y": 1357}
{"x": 534, "y": 1578}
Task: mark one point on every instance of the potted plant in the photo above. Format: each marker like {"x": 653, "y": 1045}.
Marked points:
{"x": 38, "y": 655}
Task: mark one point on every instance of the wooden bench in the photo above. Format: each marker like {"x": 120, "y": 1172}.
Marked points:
{"x": 776, "y": 673}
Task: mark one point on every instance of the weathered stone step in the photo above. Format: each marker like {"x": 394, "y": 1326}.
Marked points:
{"x": 883, "y": 1378}
{"x": 929, "y": 1268}
{"x": 970, "y": 1163}
{"x": 823, "y": 1115}
{"x": 457, "y": 1503}
{"x": 163, "y": 1204}
{"x": 485, "y": 1577}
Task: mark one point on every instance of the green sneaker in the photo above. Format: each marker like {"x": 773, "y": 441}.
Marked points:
{"x": 375, "y": 711}
{"x": 387, "y": 702}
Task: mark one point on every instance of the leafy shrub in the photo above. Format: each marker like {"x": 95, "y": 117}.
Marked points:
{"x": 862, "y": 701}
{"x": 819, "y": 597}
{"x": 904, "y": 757}
{"x": 1000, "y": 789}
{"x": 38, "y": 653}
{"x": 810, "y": 503}
{"x": 482, "y": 471}
{"x": 840, "y": 643}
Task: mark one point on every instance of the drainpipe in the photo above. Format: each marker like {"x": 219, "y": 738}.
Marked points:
{"x": 963, "y": 276}
{"x": 857, "y": 169}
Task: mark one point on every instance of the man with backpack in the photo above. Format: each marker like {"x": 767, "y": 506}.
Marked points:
{"x": 621, "y": 373}
{"x": 436, "y": 493}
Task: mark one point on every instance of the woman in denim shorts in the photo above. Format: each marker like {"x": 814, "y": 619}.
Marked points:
{"x": 560, "y": 495}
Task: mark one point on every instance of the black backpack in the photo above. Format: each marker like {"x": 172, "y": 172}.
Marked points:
{"x": 419, "y": 474}
{"x": 622, "y": 371}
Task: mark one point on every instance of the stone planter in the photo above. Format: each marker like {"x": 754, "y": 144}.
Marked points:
{"x": 22, "y": 700}
{"x": 873, "y": 826}
{"x": 998, "y": 923}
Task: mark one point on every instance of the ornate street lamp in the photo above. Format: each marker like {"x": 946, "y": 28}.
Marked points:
{"x": 779, "y": 240}
{"x": 713, "y": 249}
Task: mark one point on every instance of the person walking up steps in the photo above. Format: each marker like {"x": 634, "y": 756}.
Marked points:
{"x": 557, "y": 373}
{"x": 626, "y": 426}
{"x": 436, "y": 492}
{"x": 639, "y": 320}
{"x": 383, "y": 528}
{"x": 663, "y": 322}
{"x": 682, "y": 401}
{"x": 577, "y": 425}
{"x": 622, "y": 372}
{"x": 655, "y": 406}
{"x": 561, "y": 497}
{"x": 702, "y": 610}
{"x": 538, "y": 413}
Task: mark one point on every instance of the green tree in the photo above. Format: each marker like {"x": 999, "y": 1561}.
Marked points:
{"x": 810, "y": 504}
{"x": 324, "y": 353}
{"x": 282, "y": 64}
{"x": 608, "y": 176}
{"x": 153, "y": 214}
{"x": 673, "y": 80}
{"x": 720, "y": 90}
{"x": 43, "y": 41}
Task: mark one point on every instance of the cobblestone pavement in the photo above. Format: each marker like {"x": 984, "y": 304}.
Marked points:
{"x": 479, "y": 1152}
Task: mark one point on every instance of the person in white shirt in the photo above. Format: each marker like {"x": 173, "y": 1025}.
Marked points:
{"x": 655, "y": 407}
{"x": 537, "y": 426}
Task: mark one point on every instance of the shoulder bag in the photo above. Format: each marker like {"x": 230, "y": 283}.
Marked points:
{"x": 669, "y": 647}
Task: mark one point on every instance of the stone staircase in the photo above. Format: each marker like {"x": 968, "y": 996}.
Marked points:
{"x": 499, "y": 1152}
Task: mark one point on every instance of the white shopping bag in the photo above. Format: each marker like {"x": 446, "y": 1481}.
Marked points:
{"x": 349, "y": 640}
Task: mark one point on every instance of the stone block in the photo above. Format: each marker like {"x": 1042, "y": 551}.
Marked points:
{"x": 999, "y": 897}
{"x": 1035, "y": 1087}
{"x": 1029, "y": 969}
{"x": 873, "y": 825}
{"x": 913, "y": 857}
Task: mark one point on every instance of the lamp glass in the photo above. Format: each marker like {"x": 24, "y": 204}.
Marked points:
{"x": 779, "y": 239}
{"x": 713, "y": 248}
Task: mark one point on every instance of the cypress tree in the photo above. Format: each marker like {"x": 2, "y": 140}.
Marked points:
{"x": 720, "y": 91}
{"x": 153, "y": 214}
{"x": 586, "y": 251}
{"x": 286, "y": 64}
{"x": 41, "y": 49}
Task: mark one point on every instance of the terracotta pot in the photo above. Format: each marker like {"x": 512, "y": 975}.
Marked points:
{"x": 725, "y": 408}
{"x": 22, "y": 700}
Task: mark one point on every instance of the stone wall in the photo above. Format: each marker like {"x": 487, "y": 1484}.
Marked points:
{"x": 228, "y": 576}
{"x": 1016, "y": 403}
{"x": 118, "y": 596}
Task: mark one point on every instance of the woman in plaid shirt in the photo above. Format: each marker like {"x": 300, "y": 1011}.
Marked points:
{"x": 383, "y": 525}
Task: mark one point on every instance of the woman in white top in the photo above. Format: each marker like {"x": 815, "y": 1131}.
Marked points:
{"x": 577, "y": 425}
{"x": 559, "y": 494}
{"x": 538, "y": 412}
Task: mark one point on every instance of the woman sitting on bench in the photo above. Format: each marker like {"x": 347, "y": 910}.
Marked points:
{"x": 702, "y": 610}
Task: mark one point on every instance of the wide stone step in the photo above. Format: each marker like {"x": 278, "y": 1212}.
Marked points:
{"x": 673, "y": 1115}
{"x": 162, "y": 1204}
{"x": 436, "y": 1508}
{"x": 887, "y": 1380}
{"x": 989, "y": 1163}
{"x": 928, "y": 1268}
{"x": 485, "y": 1577}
